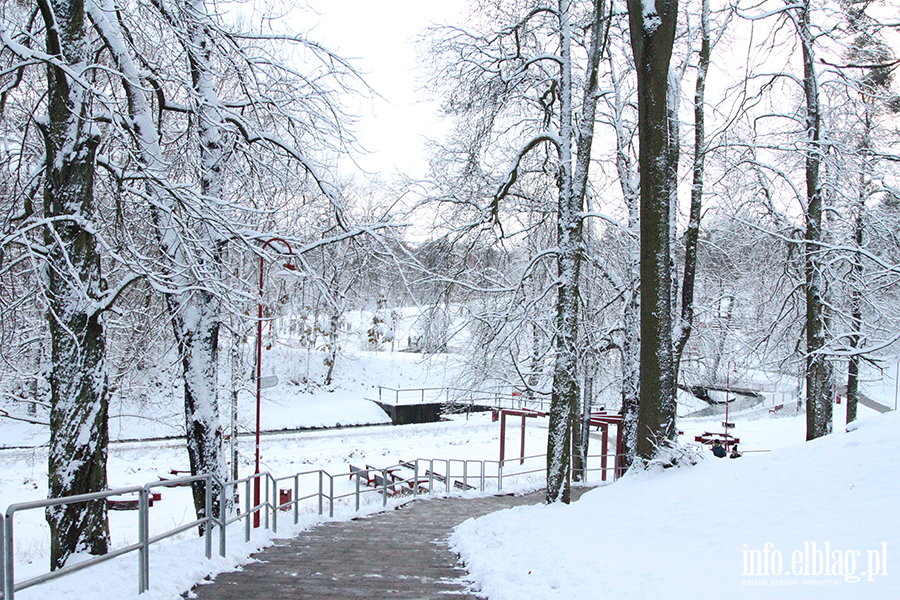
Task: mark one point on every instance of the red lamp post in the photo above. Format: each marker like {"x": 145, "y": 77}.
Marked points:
{"x": 256, "y": 484}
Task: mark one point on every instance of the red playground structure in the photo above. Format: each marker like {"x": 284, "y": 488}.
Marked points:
{"x": 600, "y": 419}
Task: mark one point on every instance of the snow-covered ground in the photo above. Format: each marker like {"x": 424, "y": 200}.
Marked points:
{"x": 714, "y": 508}
{"x": 176, "y": 565}
{"x": 806, "y": 520}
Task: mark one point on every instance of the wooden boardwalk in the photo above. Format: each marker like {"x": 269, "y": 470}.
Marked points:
{"x": 400, "y": 553}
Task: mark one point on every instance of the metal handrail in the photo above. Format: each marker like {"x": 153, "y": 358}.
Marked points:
{"x": 270, "y": 506}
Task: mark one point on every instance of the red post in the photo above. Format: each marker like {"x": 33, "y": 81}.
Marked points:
{"x": 605, "y": 443}
{"x": 256, "y": 484}
{"x": 502, "y": 436}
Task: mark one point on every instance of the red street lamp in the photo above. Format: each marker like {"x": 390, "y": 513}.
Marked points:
{"x": 256, "y": 486}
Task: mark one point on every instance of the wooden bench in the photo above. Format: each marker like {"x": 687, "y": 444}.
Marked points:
{"x": 709, "y": 438}
{"x": 130, "y": 501}
{"x": 429, "y": 475}
{"x": 174, "y": 474}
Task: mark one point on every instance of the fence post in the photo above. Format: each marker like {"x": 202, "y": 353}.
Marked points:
{"x": 144, "y": 539}
{"x": 207, "y": 534}
{"x": 357, "y": 491}
{"x": 384, "y": 478}
{"x": 223, "y": 516}
{"x": 416, "y": 479}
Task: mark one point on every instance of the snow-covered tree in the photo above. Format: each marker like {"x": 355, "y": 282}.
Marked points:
{"x": 524, "y": 91}
{"x": 653, "y": 26}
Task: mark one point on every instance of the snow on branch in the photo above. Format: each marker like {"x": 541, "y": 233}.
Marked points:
{"x": 765, "y": 15}
{"x": 513, "y": 173}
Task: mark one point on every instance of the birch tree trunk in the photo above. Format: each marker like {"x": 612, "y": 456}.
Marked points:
{"x": 78, "y": 380}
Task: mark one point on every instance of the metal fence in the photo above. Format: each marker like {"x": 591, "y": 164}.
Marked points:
{"x": 407, "y": 480}
{"x": 461, "y": 397}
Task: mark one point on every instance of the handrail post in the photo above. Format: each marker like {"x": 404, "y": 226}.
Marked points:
{"x": 268, "y": 501}
{"x": 247, "y": 509}
{"x": 223, "y": 516}
{"x": 144, "y": 539}
{"x": 431, "y": 477}
{"x": 320, "y": 491}
{"x": 331, "y": 496}
{"x": 384, "y": 477}
{"x": 296, "y": 498}
{"x": 276, "y": 504}
{"x": 9, "y": 577}
{"x": 2, "y": 553}
{"x": 357, "y": 491}
{"x": 416, "y": 479}
{"x": 207, "y": 533}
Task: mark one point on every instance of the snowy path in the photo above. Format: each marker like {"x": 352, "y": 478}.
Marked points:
{"x": 400, "y": 553}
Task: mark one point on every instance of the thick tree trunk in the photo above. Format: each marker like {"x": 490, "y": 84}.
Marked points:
{"x": 819, "y": 385}
{"x": 78, "y": 381}
{"x": 195, "y": 315}
{"x": 572, "y": 178}
{"x": 197, "y": 320}
{"x": 652, "y": 38}
{"x": 856, "y": 270}
{"x": 196, "y": 325}
{"x": 565, "y": 394}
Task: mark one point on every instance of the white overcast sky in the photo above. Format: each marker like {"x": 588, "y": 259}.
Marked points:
{"x": 378, "y": 36}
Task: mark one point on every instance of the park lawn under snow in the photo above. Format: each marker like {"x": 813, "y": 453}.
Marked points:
{"x": 178, "y": 564}
{"x": 704, "y": 531}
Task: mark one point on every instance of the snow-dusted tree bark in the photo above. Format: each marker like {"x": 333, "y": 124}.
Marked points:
{"x": 856, "y": 317}
{"x": 78, "y": 379}
{"x": 518, "y": 82}
{"x": 194, "y": 310}
{"x": 872, "y": 87}
{"x": 819, "y": 379}
{"x": 652, "y": 39}
{"x": 195, "y": 315}
{"x": 692, "y": 234}
{"x": 629, "y": 182}
{"x": 570, "y": 240}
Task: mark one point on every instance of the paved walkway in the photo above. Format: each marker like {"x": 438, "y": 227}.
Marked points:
{"x": 400, "y": 553}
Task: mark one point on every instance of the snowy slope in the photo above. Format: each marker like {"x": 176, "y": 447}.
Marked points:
{"x": 695, "y": 532}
